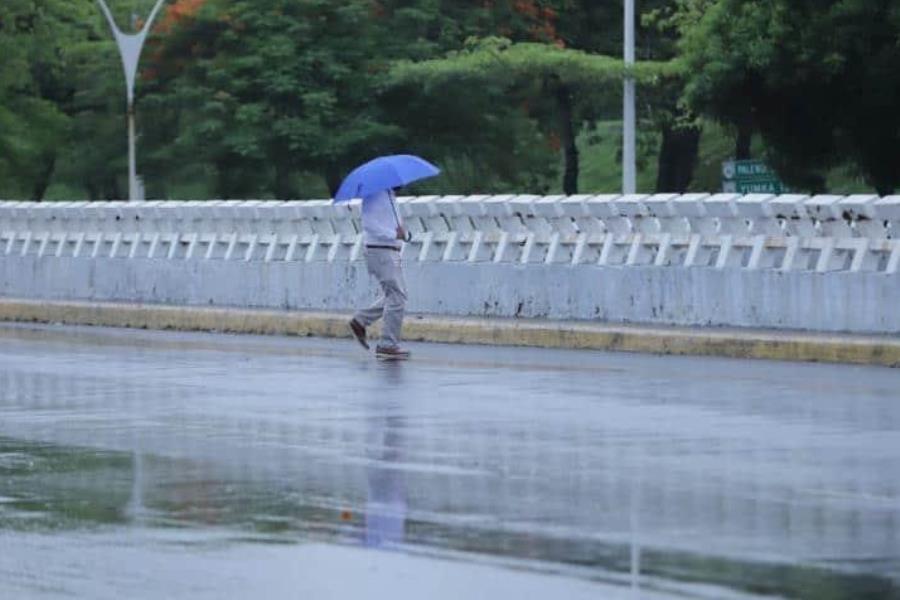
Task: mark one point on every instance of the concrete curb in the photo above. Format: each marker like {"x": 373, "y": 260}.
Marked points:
{"x": 732, "y": 343}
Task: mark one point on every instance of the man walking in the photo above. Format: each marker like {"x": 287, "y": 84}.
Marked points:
{"x": 384, "y": 235}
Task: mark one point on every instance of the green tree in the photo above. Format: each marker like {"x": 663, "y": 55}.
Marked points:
{"x": 38, "y": 42}
{"x": 491, "y": 139}
{"x": 596, "y": 28}
{"x": 818, "y": 79}
{"x": 537, "y": 73}
{"x": 263, "y": 91}
{"x": 565, "y": 108}
{"x": 95, "y": 159}
{"x": 274, "y": 88}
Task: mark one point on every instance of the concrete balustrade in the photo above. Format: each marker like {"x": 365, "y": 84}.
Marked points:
{"x": 757, "y": 231}
{"x": 822, "y": 262}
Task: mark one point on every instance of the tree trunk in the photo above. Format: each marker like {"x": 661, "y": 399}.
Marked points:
{"x": 678, "y": 155}
{"x": 112, "y": 190}
{"x": 232, "y": 178}
{"x": 333, "y": 179}
{"x": 42, "y": 182}
{"x": 742, "y": 150}
{"x": 569, "y": 142}
{"x": 283, "y": 188}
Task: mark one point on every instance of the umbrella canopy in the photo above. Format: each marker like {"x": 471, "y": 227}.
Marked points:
{"x": 384, "y": 173}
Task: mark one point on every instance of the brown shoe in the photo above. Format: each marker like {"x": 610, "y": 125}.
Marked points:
{"x": 389, "y": 353}
{"x": 359, "y": 332}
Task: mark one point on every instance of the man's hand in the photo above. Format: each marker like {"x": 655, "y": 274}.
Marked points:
{"x": 402, "y": 234}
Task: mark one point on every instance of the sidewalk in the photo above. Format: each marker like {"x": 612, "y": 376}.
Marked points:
{"x": 732, "y": 343}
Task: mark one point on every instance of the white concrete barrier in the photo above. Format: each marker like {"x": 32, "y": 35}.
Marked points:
{"x": 662, "y": 258}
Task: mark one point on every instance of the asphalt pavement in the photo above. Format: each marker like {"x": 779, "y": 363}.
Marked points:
{"x": 148, "y": 464}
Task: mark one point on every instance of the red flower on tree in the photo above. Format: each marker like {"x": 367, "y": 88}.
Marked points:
{"x": 542, "y": 20}
{"x": 177, "y": 12}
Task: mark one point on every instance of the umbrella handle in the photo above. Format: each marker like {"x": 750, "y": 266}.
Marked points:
{"x": 394, "y": 208}
{"x": 397, "y": 218}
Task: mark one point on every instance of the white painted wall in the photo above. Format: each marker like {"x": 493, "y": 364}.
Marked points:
{"x": 826, "y": 263}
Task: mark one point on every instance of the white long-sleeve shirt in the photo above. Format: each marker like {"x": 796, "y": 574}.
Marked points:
{"x": 380, "y": 220}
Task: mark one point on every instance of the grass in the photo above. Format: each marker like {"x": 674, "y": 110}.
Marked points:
{"x": 601, "y": 167}
{"x": 601, "y": 161}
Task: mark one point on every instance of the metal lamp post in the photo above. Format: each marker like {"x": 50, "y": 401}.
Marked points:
{"x": 629, "y": 153}
{"x": 130, "y": 46}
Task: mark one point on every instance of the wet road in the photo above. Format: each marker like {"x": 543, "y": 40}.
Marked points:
{"x": 150, "y": 465}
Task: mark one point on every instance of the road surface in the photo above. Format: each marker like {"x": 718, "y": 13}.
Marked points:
{"x": 149, "y": 465}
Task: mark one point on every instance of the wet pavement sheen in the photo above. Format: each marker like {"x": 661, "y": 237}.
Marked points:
{"x": 165, "y": 465}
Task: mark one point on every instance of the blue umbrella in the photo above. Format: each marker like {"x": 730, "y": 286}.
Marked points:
{"x": 384, "y": 173}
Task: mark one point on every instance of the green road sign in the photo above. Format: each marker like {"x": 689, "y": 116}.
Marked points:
{"x": 750, "y": 177}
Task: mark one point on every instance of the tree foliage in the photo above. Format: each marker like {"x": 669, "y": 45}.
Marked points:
{"x": 271, "y": 88}
{"x": 40, "y": 42}
{"x": 818, "y": 79}
{"x": 499, "y": 59}
{"x": 279, "y": 98}
{"x": 562, "y": 88}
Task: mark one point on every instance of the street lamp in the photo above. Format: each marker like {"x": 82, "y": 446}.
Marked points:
{"x": 130, "y": 46}
{"x": 629, "y": 153}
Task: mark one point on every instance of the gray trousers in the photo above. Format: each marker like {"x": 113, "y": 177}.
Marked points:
{"x": 384, "y": 265}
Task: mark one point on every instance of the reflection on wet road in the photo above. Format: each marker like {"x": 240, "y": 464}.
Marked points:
{"x": 149, "y": 465}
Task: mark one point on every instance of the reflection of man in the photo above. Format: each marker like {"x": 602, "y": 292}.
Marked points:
{"x": 386, "y": 505}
